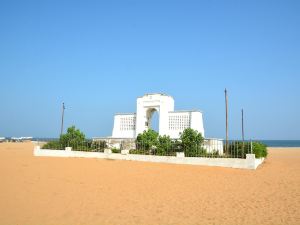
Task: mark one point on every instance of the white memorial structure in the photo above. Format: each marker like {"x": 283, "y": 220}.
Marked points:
{"x": 127, "y": 126}
{"x": 171, "y": 122}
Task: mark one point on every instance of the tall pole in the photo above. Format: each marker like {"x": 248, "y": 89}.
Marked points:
{"x": 243, "y": 134}
{"x": 226, "y": 103}
{"x": 62, "y": 119}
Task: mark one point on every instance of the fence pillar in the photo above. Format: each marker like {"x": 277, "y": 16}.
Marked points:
{"x": 250, "y": 160}
{"x": 180, "y": 154}
{"x": 125, "y": 152}
{"x": 107, "y": 151}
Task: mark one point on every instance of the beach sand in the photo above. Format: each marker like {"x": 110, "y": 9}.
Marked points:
{"x": 37, "y": 190}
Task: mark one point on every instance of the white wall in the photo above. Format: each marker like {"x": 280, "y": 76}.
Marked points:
{"x": 249, "y": 163}
{"x": 117, "y": 132}
{"x": 197, "y": 122}
{"x": 175, "y": 133}
{"x": 212, "y": 145}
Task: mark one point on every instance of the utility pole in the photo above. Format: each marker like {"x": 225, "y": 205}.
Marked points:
{"x": 62, "y": 119}
{"x": 226, "y": 104}
{"x": 243, "y": 134}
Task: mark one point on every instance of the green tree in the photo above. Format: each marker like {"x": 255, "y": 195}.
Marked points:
{"x": 147, "y": 140}
{"x": 164, "y": 145}
{"x": 191, "y": 141}
{"x": 260, "y": 150}
{"x": 74, "y": 137}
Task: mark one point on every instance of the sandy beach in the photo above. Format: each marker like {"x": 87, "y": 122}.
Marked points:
{"x": 74, "y": 191}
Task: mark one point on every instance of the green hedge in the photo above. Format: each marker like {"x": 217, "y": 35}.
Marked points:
{"x": 75, "y": 139}
{"x": 238, "y": 149}
{"x": 260, "y": 150}
{"x": 53, "y": 145}
{"x": 116, "y": 150}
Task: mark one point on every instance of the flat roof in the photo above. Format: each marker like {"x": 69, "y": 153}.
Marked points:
{"x": 124, "y": 114}
{"x": 161, "y": 94}
{"x": 177, "y": 111}
{"x": 217, "y": 139}
{"x": 182, "y": 111}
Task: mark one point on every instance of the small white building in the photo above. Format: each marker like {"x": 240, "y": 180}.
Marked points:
{"x": 127, "y": 126}
{"x": 171, "y": 123}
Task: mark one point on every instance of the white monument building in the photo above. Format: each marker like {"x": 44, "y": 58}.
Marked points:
{"x": 127, "y": 126}
{"x": 171, "y": 123}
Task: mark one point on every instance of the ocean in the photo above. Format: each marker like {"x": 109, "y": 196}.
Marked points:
{"x": 269, "y": 143}
{"x": 281, "y": 143}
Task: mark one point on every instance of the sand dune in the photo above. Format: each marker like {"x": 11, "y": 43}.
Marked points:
{"x": 90, "y": 191}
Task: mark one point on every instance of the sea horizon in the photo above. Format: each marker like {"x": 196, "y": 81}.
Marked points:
{"x": 269, "y": 143}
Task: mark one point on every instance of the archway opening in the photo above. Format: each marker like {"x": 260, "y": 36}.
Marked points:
{"x": 153, "y": 119}
{"x": 154, "y": 122}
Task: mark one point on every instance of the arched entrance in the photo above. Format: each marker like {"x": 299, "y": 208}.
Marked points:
{"x": 152, "y": 119}
{"x": 153, "y": 111}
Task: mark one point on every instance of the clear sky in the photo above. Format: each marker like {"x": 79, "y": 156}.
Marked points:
{"x": 99, "y": 56}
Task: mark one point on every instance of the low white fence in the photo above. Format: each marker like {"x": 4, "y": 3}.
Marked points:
{"x": 249, "y": 163}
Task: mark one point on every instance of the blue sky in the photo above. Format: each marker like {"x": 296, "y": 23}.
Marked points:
{"x": 99, "y": 56}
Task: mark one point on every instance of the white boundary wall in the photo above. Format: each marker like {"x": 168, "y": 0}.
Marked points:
{"x": 249, "y": 163}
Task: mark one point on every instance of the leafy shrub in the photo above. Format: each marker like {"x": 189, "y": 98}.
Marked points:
{"x": 260, "y": 150}
{"x": 177, "y": 146}
{"x": 151, "y": 143}
{"x": 116, "y": 150}
{"x": 76, "y": 139}
{"x": 99, "y": 146}
{"x": 191, "y": 141}
{"x": 238, "y": 149}
{"x": 53, "y": 145}
{"x": 139, "y": 152}
{"x": 147, "y": 139}
{"x": 73, "y": 138}
{"x": 164, "y": 146}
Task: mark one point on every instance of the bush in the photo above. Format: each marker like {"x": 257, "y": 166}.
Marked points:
{"x": 191, "y": 141}
{"x": 116, "y": 150}
{"x": 73, "y": 138}
{"x": 147, "y": 140}
{"x": 238, "y": 149}
{"x": 151, "y": 143}
{"x": 177, "y": 146}
{"x": 99, "y": 146}
{"x": 138, "y": 152}
{"x": 52, "y": 145}
{"x": 260, "y": 150}
{"x": 76, "y": 139}
{"x": 85, "y": 146}
{"x": 164, "y": 146}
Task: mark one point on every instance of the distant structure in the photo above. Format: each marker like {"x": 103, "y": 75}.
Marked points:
{"x": 20, "y": 139}
{"x": 171, "y": 123}
{"x": 127, "y": 126}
